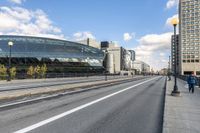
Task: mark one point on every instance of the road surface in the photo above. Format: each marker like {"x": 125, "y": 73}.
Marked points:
{"x": 134, "y": 107}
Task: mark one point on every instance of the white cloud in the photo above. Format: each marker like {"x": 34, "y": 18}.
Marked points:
{"x": 162, "y": 54}
{"x": 83, "y": 35}
{"x": 172, "y": 3}
{"x": 169, "y": 20}
{"x": 21, "y": 21}
{"x": 129, "y": 36}
{"x": 17, "y": 1}
{"x": 152, "y": 49}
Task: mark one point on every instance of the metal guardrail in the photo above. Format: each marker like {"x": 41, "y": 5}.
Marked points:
{"x": 60, "y": 75}
{"x": 183, "y": 77}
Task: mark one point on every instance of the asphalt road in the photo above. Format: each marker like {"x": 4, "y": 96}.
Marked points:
{"x": 134, "y": 107}
{"x": 9, "y": 86}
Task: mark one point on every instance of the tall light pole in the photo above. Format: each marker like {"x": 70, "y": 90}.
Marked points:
{"x": 10, "y": 44}
{"x": 175, "y": 91}
{"x": 88, "y": 66}
{"x": 169, "y": 70}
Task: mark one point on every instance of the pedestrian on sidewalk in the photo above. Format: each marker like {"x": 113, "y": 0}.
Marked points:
{"x": 169, "y": 76}
{"x": 191, "y": 80}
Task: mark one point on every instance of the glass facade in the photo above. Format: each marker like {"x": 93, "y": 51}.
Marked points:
{"x": 40, "y": 48}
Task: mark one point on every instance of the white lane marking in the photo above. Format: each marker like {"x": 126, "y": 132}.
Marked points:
{"x": 42, "y": 123}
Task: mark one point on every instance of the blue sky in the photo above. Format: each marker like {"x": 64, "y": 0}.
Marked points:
{"x": 135, "y": 24}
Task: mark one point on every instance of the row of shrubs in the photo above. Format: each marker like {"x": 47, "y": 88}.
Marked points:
{"x": 37, "y": 72}
{"x": 4, "y": 72}
{"x": 32, "y": 72}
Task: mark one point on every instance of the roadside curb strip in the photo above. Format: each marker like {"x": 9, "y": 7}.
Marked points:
{"x": 164, "y": 110}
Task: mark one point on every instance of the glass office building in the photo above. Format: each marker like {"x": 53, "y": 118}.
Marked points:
{"x": 55, "y": 53}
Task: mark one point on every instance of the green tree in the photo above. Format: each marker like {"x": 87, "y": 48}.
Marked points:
{"x": 13, "y": 72}
{"x": 3, "y": 72}
{"x": 37, "y": 71}
{"x": 43, "y": 70}
{"x": 30, "y": 71}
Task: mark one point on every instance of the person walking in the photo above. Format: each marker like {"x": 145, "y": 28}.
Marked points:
{"x": 191, "y": 80}
{"x": 169, "y": 76}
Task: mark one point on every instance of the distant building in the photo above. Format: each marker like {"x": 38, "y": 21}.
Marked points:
{"x": 118, "y": 59}
{"x": 189, "y": 30}
{"x": 106, "y": 44}
{"x": 141, "y": 67}
{"x": 132, "y": 54}
{"x": 164, "y": 71}
{"x": 90, "y": 42}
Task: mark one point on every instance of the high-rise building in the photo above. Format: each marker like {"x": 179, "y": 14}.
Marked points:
{"x": 175, "y": 47}
{"x": 132, "y": 54}
{"x": 189, "y": 16}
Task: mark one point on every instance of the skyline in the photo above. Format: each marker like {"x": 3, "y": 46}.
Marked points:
{"x": 142, "y": 25}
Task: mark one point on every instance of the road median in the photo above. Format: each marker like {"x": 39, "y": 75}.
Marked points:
{"x": 36, "y": 92}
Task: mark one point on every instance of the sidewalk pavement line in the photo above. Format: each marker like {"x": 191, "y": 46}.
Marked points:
{"x": 54, "y": 118}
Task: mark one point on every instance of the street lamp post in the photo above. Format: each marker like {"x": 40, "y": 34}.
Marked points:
{"x": 10, "y": 44}
{"x": 169, "y": 70}
{"x": 106, "y": 59}
{"x": 88, "y": 66}
{"x": 175, "y": 91}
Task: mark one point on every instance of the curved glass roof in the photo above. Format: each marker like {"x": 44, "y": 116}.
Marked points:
{"x": 27, "y": 46}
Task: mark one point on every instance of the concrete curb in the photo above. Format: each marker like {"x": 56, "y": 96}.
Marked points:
{"x": 164, "y": 109}
{"x": 61, "y": 93}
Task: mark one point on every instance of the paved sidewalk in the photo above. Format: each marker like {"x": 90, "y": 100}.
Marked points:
{"x": 182, "y": 114}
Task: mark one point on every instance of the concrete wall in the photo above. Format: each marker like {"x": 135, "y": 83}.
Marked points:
{"x": 117, "y": 58}
{"x": 110, "y": 63}
{"x": 194, "y": 68}
{"x": 90, "y": 42}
